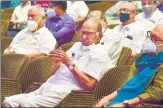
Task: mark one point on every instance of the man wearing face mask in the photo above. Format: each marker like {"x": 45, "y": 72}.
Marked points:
{"x": 150, "y": 12}
{"x": 35, "y": 40}
{"x": 61, "y": 25}
{"x": 145, "y": 82}
{"x": 133, "y": 33}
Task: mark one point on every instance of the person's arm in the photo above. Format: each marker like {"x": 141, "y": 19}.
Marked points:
{"x": 154, "y": 93}
{"x": 104, "y": 101}
{"x": 69, "y": 27}
{"x": 84, "y": 80}
{"x": 7, "y": 50}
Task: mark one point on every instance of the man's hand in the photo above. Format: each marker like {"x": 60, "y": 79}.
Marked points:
{"x": 60, "y": 56}
{"x": 11, "y": 23}
{"x": 103, "y": 102}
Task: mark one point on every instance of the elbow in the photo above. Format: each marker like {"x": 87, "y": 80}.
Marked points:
{"x": 88, "y": 86}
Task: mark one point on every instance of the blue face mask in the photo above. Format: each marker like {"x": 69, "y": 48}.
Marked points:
{"x": 124, "y": 17}
{"x": 50, "y": 13}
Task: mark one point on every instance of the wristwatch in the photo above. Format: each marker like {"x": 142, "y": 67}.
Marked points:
{"x": 71, "y": 67}
{"x": 126, "y": 103}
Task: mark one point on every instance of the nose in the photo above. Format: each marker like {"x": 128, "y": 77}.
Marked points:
{"x": 84, "y": 36}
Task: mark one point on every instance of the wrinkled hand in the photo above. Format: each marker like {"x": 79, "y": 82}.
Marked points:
{"x": 60, "y": 56}
{"x": 102, "y": 102}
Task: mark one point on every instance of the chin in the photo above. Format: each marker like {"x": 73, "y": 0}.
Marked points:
{"x": 85, "y": 44}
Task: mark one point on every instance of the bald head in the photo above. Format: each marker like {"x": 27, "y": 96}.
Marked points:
{"x": 128, "y": 5}
{"x": 158, "y": 31}
{"x": 95, "y": 14}
{"x": 93, "y": 23}
{"x": 38, "y": 10}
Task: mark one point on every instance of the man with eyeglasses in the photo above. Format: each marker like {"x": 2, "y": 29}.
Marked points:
{"x": 145, "y": 82}
{"x": 150, "y": 12}
{"x": 80, "y": 68}
{"x": 133, "y": 33}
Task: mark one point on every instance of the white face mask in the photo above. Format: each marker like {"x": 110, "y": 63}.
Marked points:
{"x": 149, "y": 46}
{"x": 50, "y": 13}
{"x": 148, "y": 10}
{"x": 32, "y": 25}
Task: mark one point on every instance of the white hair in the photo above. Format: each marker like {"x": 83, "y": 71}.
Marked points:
{"x": 39, "y": 8}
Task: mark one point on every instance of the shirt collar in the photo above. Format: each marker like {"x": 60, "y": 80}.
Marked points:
{"x": 38, "y": 31}
{"x": 90, "y": 47}
{"x": 62, "y": 16}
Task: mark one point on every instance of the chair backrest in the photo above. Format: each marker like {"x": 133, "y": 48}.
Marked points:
{"x": 76, "y": 37}
{"x": 102, "y": 6}
{"x": 37, "y": 70}
{"x": 124, "y": 56}
{"x": 12, "y": 63}
{"x": 67, "y": 46}
{"x": 111, "y": 81}
{"x": 5, "y": 42}
{"x": 7, "y": 13}
{"x": 4, "y": 26}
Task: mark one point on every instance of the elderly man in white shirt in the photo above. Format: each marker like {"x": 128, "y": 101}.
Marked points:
{"x": 78, "y": 10}
{"x": 133, "y": 33}
{"x": 19, "y": 17}
{"x": 80, "y": 68}
{"x": 150, "y": 12}
{"x": 35, "y": 40}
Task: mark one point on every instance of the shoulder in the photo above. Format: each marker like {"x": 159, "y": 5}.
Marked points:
{"x": 45, "y": 32}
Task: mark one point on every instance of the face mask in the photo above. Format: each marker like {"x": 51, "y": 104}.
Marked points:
{"x": 32, "y": 25}
{"x": 148, "y": 10}
{"x": 149, "y": 46}
{"x": 50, "y": 13}
{"x": 124, "y": 17}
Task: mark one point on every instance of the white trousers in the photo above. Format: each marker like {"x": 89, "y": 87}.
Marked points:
{"x": 42, "y": 97}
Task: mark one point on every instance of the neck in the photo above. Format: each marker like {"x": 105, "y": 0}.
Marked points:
{"x": 160, "y": 48}
{"x": 60, "y": 12}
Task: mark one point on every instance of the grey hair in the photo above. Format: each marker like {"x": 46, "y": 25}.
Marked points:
{"x": 39, "y": 8}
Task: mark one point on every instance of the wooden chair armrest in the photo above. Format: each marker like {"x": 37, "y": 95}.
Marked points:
{"x": 152, "y": 105}
{"x": 81, "y": 91}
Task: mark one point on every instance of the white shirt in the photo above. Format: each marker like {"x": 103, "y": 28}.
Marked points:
{"x": 77, "y": 9}
{"x": 156, "y": 17}
{"x": 137, "y": 31}
{"x": 91, "y": 60}
{"x": 26, "y": 42}
{"x": 20, "y": 15}
{"x": 112, "y": 42}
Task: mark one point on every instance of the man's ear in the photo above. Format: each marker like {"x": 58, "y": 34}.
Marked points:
{"x": 98, "y": 37}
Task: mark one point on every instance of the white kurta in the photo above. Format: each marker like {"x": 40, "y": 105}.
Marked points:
{"x": 19, "y": 16}
{"x": 77, "y": 9}
{"x": 137, "y": 31}
{"x": 92, "y": 60}
{"x": 156, "y": 17}
{"x": 26, "y": 42}
{"x": 112, "y": 42}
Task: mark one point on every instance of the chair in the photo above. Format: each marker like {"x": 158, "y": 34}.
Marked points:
{"x": 112, "y": 26}
{"x": 7, "y": 13}
{"x": 5, "y": 42}
{"x": 37, "y": 70}
{"x": 4, "y": 27}
{"x": 111, "y": 81}
{"x": 124, "y": 56}
{"x": 11, "y": 65}
{"x": 102, "y": 6}
{"x": 67, "y": 46}
{"x": 76, "y": 37}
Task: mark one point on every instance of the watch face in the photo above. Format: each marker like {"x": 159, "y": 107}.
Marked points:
{"x": 126, "y": 101}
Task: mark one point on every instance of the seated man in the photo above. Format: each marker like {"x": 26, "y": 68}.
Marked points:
{"x": 133, "y": 33}
{"x": 145, "y": 83}
{"x": 19, "y": 17}
{"x": 78, "y": 10}
{"x": 150, "y": 12}
{"x": 61, "y": 25}
{"x": 35, "y": 40}
{"x": 80, "y": 68}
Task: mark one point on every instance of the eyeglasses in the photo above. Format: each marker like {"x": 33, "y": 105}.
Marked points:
{"x": 124, "y": 10}
{"x": 87, "y": 33}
